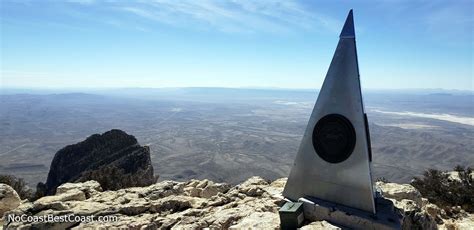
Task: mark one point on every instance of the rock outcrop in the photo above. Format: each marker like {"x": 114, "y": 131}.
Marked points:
{"x": 115, "y": 159}
{"x": 400, "y": 192}
{"x": 198, "y": 204}
{"x": 9, "y": 199}
{"x": 179, "y": 205}
{"x": 419, "y": 213}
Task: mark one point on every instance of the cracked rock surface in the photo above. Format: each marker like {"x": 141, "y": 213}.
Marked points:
{"x": 198, "y": 204}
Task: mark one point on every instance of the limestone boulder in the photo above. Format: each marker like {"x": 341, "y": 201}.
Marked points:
{"x": 418, "y": 219}
{"x": 191, "y": 191}
{"x": 158, "y": 190}
{"x": 256, "y": 180}
{"x": 205, "y": 188}
{"x": 89, "y": 188}
{"x": 9, "y": 199}
{"x": 173, "y": 204}
{"x": 254, "y": 186}
{"x": 56, "y": 202}
{"x": 73, "y": 194}
{"x": 320, "y": 225}
{"x": 223, "y": 218}
{"x": 213, "y": 189}
{"x": 399, "y": 192}
{"x": 85, "y": 208}
{"x": 275, "y": 190}
{"x": 259, "y": 220}
{"x": 406, "y": 205}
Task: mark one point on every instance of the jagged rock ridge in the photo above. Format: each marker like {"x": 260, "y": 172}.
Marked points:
{"x": 115, "y": 159}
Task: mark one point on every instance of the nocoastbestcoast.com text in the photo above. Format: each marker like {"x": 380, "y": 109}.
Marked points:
{"x": 59, "y": 219}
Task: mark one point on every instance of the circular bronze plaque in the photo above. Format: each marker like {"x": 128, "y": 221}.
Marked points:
{"x": 334, "y": 138}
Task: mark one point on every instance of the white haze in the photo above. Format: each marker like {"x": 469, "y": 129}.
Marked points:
{"x": 444, "y": 117}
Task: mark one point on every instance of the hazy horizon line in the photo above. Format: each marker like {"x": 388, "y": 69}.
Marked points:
{"x": 221, "y": 87}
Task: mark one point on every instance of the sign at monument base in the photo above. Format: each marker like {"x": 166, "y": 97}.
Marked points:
{"x": 291, "y": 215}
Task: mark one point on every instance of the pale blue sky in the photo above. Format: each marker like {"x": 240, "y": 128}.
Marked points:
{"x": 287, "y": 44}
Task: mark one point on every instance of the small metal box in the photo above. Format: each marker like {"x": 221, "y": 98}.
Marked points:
{"x": 291, "y": 215}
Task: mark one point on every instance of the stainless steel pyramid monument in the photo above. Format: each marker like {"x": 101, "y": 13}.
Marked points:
{"x": 334, "y": 159}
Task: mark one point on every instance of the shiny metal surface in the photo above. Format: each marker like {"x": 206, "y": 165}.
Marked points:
{"x": 348, "y": 182}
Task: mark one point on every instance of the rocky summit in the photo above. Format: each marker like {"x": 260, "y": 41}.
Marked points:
{"x": 198, "y": 204}
{"x": 113, "y": 158}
